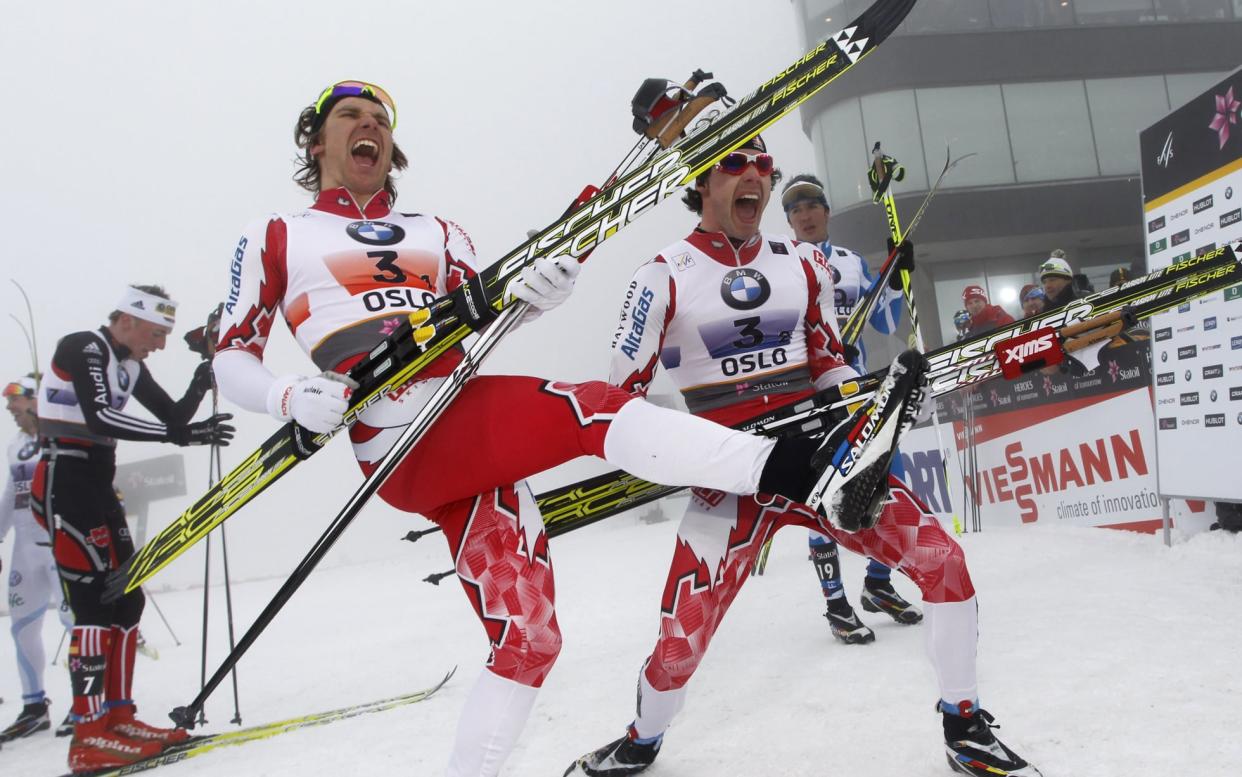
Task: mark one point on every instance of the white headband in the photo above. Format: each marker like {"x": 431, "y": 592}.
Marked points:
{"x": 148, "y": 307}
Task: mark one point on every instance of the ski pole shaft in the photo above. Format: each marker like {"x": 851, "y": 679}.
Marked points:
{"x": 56, "y": 657}
{"x": 160, "y": 612}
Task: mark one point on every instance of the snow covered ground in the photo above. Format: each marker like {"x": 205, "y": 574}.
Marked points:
{"x": 1103, "y": 654}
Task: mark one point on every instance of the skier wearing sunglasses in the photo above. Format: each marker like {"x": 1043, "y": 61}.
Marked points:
{"x": 744, "y": 321}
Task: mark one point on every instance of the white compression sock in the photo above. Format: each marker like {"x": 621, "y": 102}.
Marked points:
{"x": 678, "y": 449}
{"x": 656, "y": 709}
{"x": 491, "y": 722}
{"x": 952, "y": 632}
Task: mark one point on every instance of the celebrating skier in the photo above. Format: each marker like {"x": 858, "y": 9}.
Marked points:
{"x": 807, "y": 211}
{"x": 348, "y": 270}
{"x": 33, "y": 584}
{"x": 744, "y": 322}
{"x": 92, "y": 376}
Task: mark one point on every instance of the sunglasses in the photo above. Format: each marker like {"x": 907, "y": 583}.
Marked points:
{"x": 734, "y": 163}
{"x": 356, "y": 89}
{"x": 17, "y": 390}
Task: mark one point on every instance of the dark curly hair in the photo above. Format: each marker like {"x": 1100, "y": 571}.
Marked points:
{"x": 307, "y": 134}
{"x": 693, "y": 200}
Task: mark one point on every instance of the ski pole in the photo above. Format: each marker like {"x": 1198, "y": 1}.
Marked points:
{"x": 160, "y": 612}
{"x": 56, "y": 657}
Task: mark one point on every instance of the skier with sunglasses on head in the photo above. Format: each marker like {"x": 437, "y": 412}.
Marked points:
{"x": 743, "y": 322}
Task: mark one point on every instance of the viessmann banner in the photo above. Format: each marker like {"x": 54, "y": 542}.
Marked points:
{"x": 1192, "y": 195}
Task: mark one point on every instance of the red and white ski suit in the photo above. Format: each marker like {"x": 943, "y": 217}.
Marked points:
{"x": 343, "y": 275}
{"x": 740, "y": 330}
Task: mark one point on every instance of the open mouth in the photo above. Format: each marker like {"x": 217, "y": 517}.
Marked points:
{"x": 365, "y": 152}
{"x": 746, "y": 207}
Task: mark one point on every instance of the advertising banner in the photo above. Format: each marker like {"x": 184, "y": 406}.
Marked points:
{"x": 1192, "y": 198}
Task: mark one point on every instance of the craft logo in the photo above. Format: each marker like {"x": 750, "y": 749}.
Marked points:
{"x": 1209, "y": 323}
{"x": 1187, "y": 352}
{"x": 1158, "y": 246}
{"x": 1168, "y": 423}
{"x": 1202, "y": 204}
{"x": 1180, "y": 237}
{"x": 1232, "y": 217}
{"x": 1155, "y": 224}
{"x": 744, "y": 289}
{"x": 375, "y": 233}
{"x": 1165, "y": 379}
{"x": 1164, "y": 333}
{"x": 1213, "y": 371}
{"x": 1166, "y": 152}
{"x": 1214, "y": 420}
{"x": 1235, "y": 393}
{"x": 1189, "y": 398}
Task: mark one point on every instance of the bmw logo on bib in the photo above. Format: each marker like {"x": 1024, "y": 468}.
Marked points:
{"x": 744, "y": 289}
{"x": 375, "y": 233}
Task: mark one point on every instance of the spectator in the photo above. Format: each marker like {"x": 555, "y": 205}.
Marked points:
{"x": 961, "y": 322}
{"x": 984, "y": 316}
{"x": 1034, "y": 301}
{"x": 1057, "y": 279}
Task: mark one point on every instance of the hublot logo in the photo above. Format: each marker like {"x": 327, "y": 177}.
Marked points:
{"x": 1189, "y": 398}
{"x": 1232, "y": 217}
{"x": 1214, "y": 420}
{"x": 1165, "y": 379}
{"x": 1202, "y": 204}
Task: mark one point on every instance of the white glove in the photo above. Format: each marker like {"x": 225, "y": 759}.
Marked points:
{"x": 317, "y": 403}
{"x": 546, "y": 283}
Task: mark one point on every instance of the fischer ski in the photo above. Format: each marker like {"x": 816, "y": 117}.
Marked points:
{"x": 198, "y": 745}
{"x": 1079, "y": 325}
{"x": 432, "y": 331}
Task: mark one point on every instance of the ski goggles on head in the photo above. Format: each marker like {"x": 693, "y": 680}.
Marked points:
{"x": 354, "y": 89}
{"x": 734, "y": 163}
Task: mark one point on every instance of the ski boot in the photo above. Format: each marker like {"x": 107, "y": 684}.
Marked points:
{"x": 32, "y": 719}
{"x": 971, "y": 747}
{"x": 122, "y": 721}
{"x": 880, "y": 596}
{"x": 618, "y": 758}
{"x": 845, "y": 624}
{"x": 65, "y": 728}
{"x": 94, "y": 746}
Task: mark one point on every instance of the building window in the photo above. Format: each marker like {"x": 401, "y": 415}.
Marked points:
{"x": 1051, "y": 131}
{"x": 946, "y": 16}
{"x": 967, "y": 119}
{"x": 1120, "y": 107}
{"x": 891, "y": 119}
{"x": 1009, "y": 14}
{"x": 1185, "y": 87}
{"x": 1114, "y": 11}
{"x": 844, "y": 154}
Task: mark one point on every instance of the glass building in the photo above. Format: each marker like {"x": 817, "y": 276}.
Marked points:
{"x": 1049, "y": 96}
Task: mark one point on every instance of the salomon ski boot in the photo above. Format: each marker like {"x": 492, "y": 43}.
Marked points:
{"x": 880, "y": 596}
{"x": 32, "y": 719}
{"x": 845, "y": 624}
{"x": 972, "y": 748}
{"x": 618, "y": 758}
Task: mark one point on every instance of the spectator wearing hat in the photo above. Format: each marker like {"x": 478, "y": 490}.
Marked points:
{"x": 984, "y": 316}
{"x": 1057, "y": 280}
{"x": 1034, "y": 301}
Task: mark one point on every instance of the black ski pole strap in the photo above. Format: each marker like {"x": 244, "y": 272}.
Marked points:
{"x": 471, "y": 306}
{"x": 304, "y": 445}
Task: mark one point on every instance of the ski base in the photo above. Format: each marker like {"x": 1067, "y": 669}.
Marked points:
{"x": 198, "y": 745}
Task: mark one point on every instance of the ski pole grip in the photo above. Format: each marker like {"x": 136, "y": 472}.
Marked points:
{"x": 1076, "y": 330}
{"x": 668, "y": 134}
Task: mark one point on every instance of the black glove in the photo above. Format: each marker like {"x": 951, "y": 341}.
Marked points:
{"x": 213, "y": 431}
{"x": 851, "y": 353}
{"x": 904, "y": 261}
{"x": 200, "y": 384}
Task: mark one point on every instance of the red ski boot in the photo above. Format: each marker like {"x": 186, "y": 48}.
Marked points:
{"x": 121, "y": 720}
{"x": 95, "y": 746}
